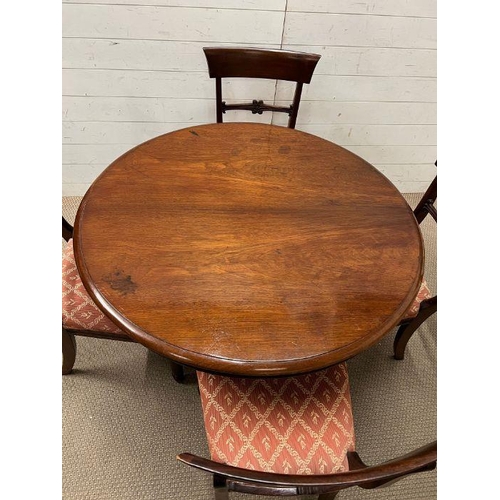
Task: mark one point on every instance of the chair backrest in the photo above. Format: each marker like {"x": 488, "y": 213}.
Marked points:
{"x": 426, "y": 207}
{"x": 67, "y": 229}
{"x": 426, "y": 204}
{"x": 260, "y": 63}
{"x": 267, "y": 483}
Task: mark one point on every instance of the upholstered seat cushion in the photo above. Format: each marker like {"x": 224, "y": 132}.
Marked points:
{"x": 78, "y": 309}
{"x": 293, "y": 425}
{"x": 423, "y": 294}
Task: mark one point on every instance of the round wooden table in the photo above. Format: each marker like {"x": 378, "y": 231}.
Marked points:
{"x": 248, "y": 249}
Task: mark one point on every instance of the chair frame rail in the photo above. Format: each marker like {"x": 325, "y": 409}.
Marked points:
{"x": 228, "y": 478}
{"x": 428, "y": 306}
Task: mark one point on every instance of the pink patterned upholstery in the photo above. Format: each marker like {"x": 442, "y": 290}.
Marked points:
{"x": 79, "y": 312}
{"x": 293, "y": 425}
{"x": 423, "y": 294}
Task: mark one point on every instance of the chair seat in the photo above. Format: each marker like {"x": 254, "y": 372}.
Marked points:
{"x": 423, "y": 294}
{"x": 293, "y": 425}
{"x": 79, "y": 312}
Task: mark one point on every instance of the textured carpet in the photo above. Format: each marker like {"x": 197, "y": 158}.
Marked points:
{"x": 124, "y": 419}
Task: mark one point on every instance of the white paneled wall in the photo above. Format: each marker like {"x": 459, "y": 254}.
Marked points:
{"x": 135, "y": 69}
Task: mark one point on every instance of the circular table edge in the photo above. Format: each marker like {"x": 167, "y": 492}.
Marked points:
{"x": 233, "y": 367}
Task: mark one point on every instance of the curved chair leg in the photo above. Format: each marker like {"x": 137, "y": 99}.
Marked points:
{"x": 177, "y": 372}
{"x": 406, "y": 330}
{"x": 68, "y": 351}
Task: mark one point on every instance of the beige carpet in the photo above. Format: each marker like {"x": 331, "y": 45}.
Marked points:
{"x": 124, "y": 418}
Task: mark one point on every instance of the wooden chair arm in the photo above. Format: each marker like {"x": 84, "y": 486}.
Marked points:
{"x": 419, "y": 460}
{"x": 429, "y": 303}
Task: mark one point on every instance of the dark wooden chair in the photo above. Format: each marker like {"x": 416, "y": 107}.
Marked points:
{"x": 427, "y": 303}
{"x": 260, "y": 63}
{"x": 80, "y": 314}
{"x": 290, "y": 436}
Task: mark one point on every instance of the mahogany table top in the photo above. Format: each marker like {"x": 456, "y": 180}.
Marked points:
{"x": 248, "y": 249}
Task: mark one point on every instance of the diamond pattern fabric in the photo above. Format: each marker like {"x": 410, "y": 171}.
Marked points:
{"x": 79, "y": 312}
{"x": 292, "y": 425}
{"x": 423, "y": 294}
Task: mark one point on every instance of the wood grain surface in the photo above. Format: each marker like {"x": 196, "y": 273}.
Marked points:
{"x": 248, "y": 249}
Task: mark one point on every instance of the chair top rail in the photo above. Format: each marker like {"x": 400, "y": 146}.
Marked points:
{"x": 260, "y": 63}
{"x": 423, "y": 458}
